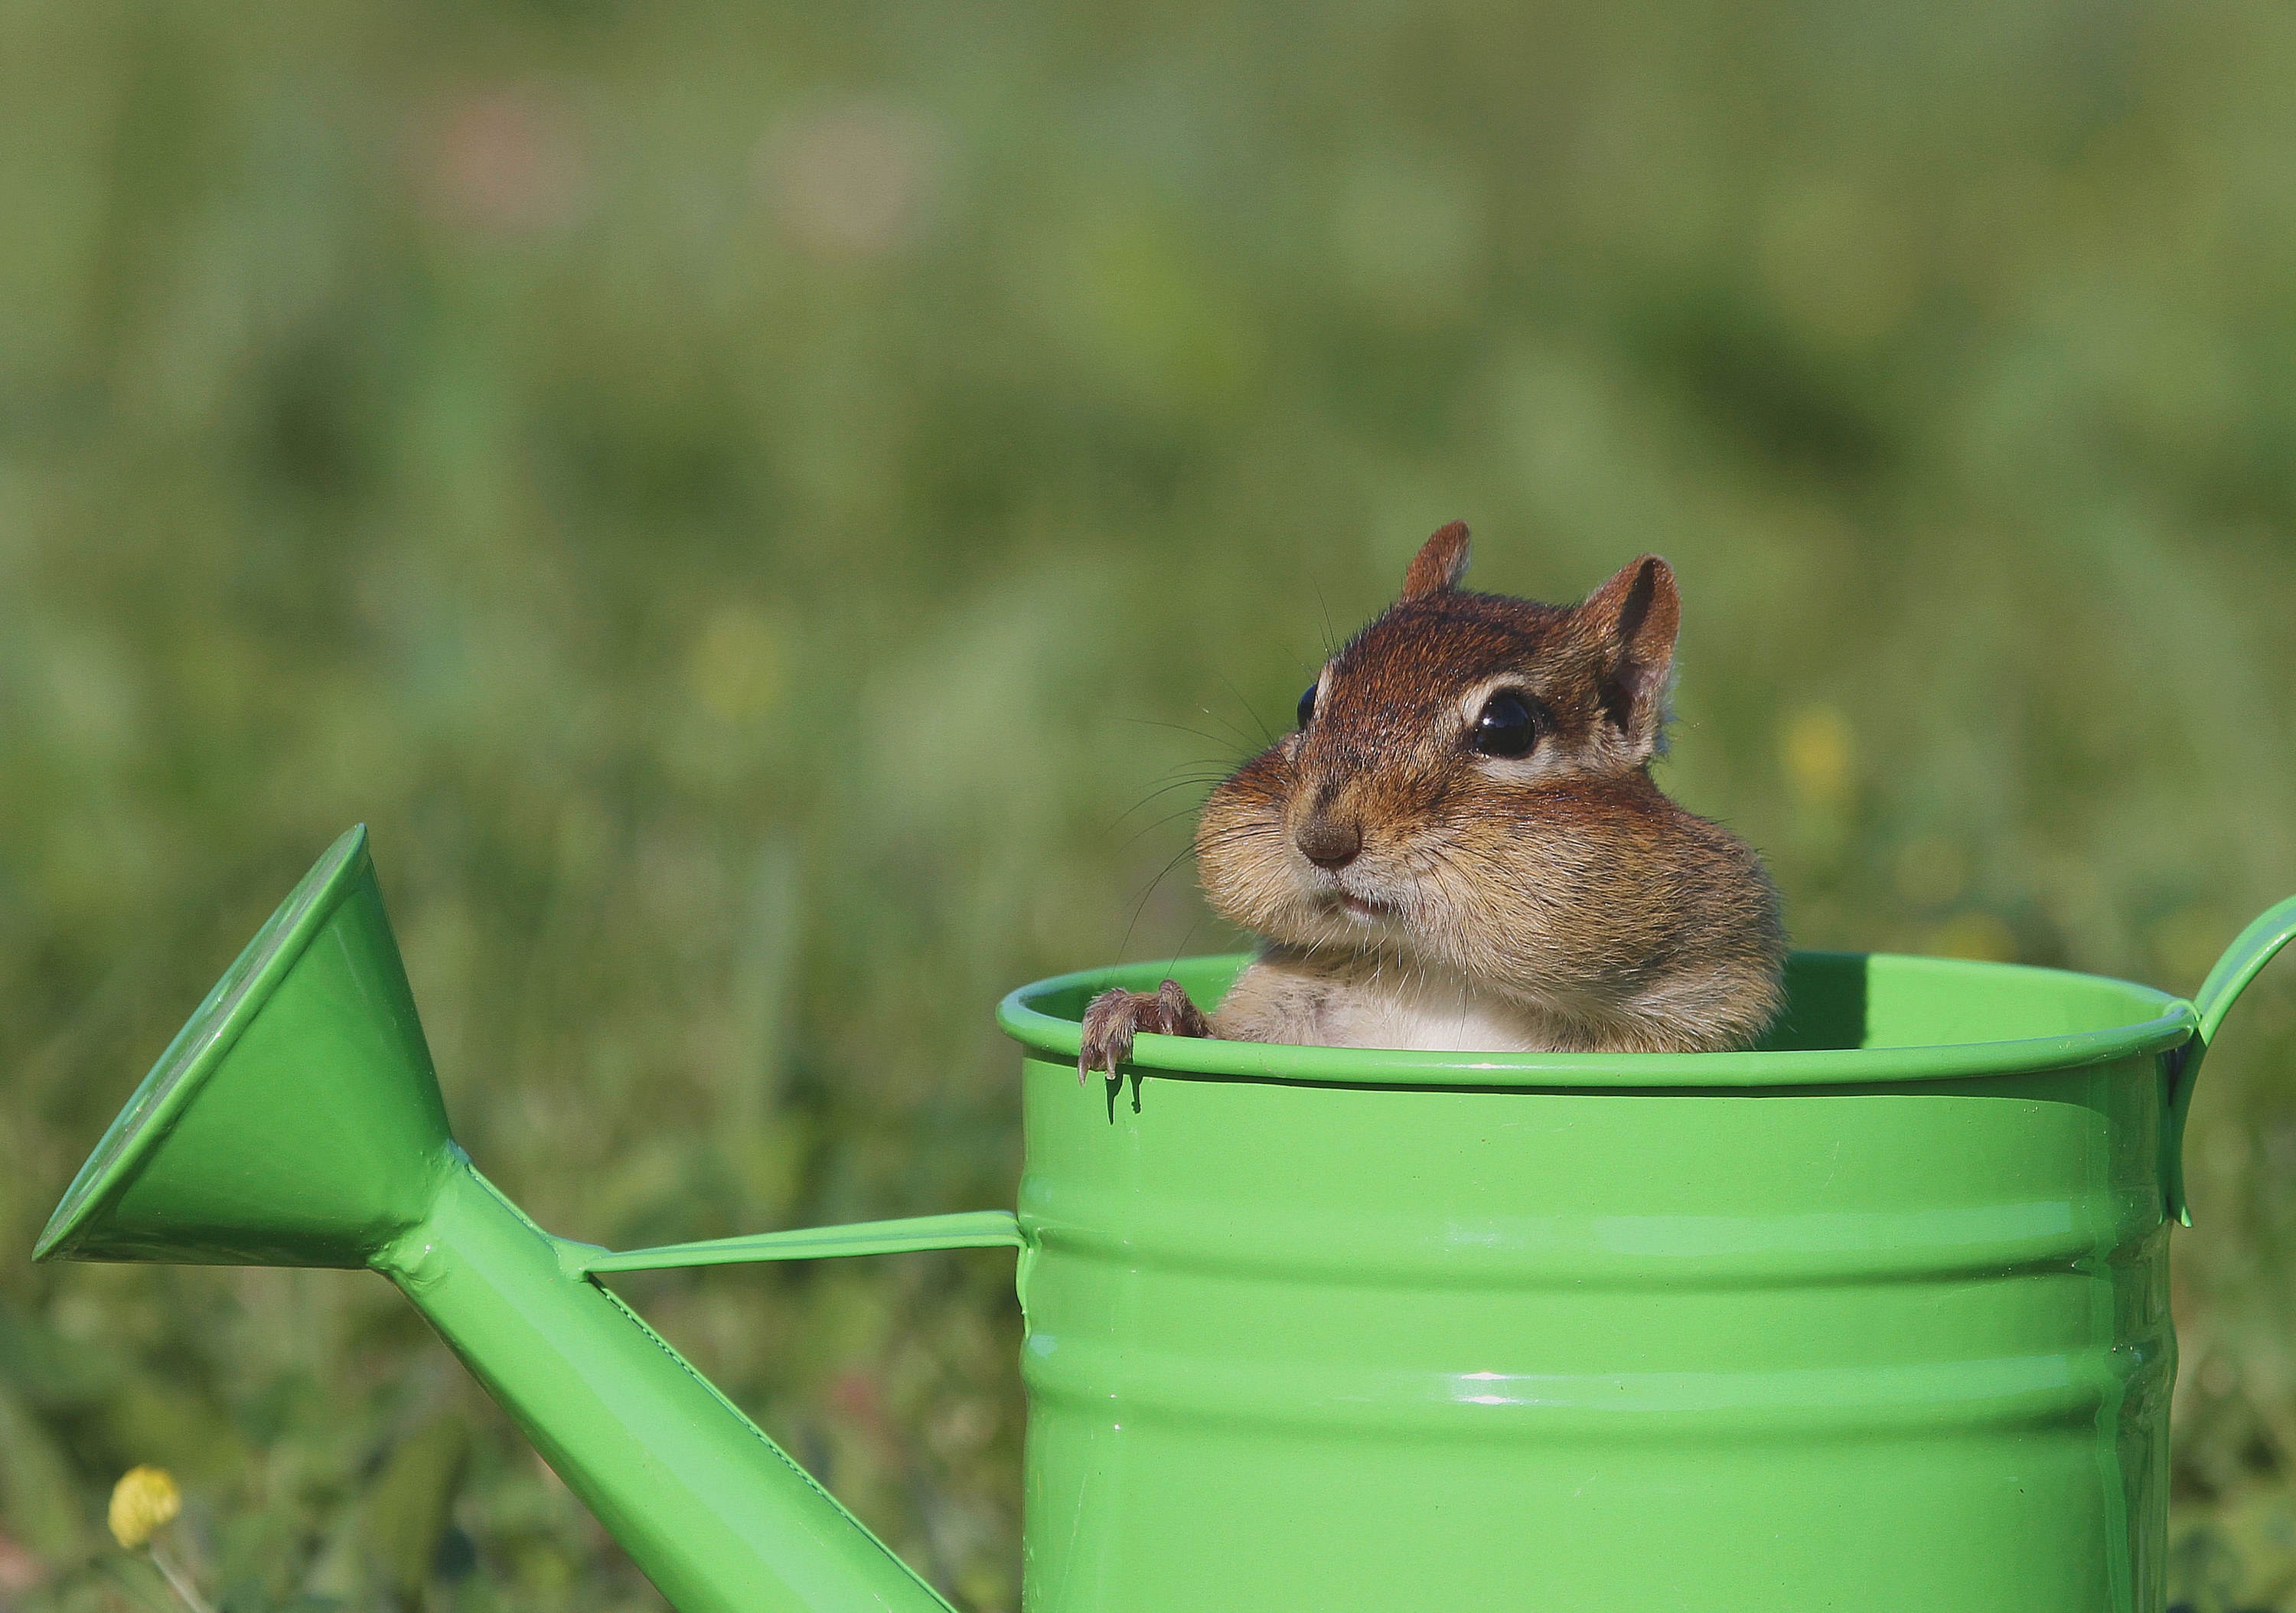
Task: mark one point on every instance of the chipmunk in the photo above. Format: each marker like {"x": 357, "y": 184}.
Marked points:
{"x": 1461, "y": 848}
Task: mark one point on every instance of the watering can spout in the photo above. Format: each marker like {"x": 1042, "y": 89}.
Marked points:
{"x": 296, "y": 1120}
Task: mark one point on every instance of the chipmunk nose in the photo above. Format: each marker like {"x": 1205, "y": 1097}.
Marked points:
{"x": 1327, "y": 843}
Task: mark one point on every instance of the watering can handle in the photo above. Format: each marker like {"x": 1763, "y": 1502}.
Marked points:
{"x": 2250, "y": 951}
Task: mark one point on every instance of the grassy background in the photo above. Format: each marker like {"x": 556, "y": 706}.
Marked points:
{"x": 744, "y": 499}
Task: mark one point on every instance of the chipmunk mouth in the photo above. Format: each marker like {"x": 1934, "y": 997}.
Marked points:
{"x": 1362, "y": 909}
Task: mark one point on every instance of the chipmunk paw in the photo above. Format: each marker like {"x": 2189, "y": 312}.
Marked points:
{"x": 1115, "y": 1017}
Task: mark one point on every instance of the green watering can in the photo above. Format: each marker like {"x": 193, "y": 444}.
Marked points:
{"x": 1874, "y": 1320}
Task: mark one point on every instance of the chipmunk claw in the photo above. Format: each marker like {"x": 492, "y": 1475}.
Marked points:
{"x": 1116, "y": 1017}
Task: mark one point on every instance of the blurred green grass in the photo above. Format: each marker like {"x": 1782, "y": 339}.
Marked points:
{"x": 744, "y": 499}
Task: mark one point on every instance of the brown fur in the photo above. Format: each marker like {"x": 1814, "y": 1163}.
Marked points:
{"x": 1553, "y": 901}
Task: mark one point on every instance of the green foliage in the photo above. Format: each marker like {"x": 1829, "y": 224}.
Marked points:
{"x": 743, "y": 499}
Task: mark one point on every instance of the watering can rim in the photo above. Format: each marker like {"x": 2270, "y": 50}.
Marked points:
{"x": 2175, "y": 1023}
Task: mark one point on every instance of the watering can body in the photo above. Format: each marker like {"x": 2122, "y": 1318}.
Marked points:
{"x": 1493, "y": 1338}
{"x": 1875, "y": 1318}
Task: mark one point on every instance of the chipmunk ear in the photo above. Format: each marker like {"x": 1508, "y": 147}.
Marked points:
{"x": 1633, "y": 618}
{"x": 1439, "y": 564}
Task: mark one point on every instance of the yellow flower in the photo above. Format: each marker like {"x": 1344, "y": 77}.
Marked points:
{"x": 1820, "y": 754}
{"x": 143, "y": 1499}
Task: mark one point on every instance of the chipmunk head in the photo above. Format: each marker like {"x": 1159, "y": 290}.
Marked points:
{"x": 1468, "y": 787}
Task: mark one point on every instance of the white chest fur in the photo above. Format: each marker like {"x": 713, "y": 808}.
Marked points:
{"x": 1389, "y": 1004}
{"x": 1425, "y": 1016}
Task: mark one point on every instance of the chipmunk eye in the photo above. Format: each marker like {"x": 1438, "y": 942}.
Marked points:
{"x": 1505, "y": 728}
{"x": 1308, "y": 706}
